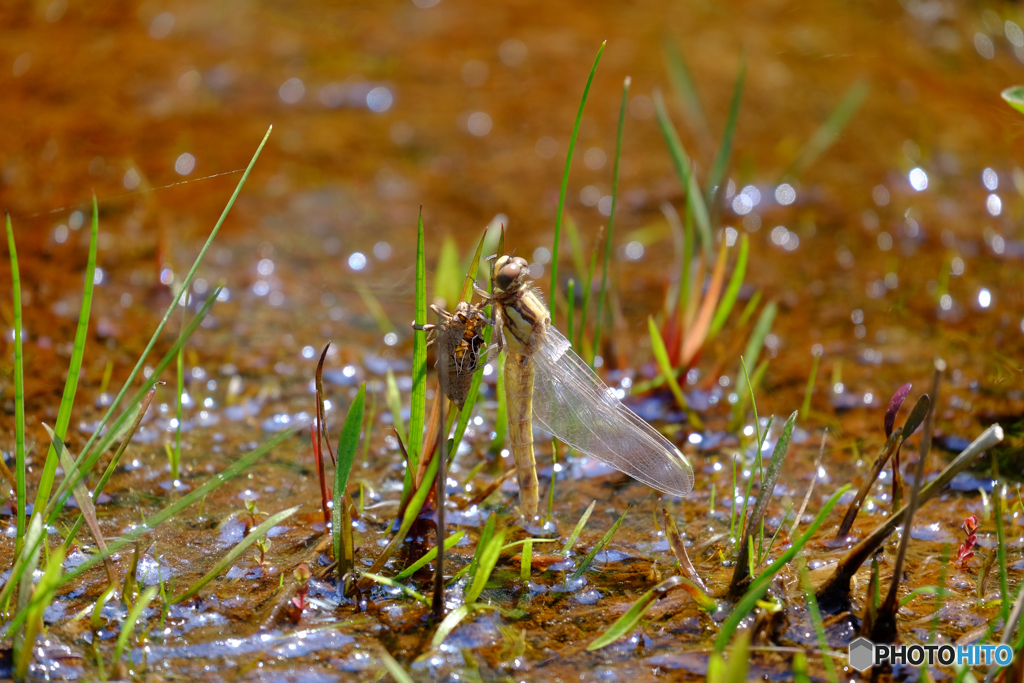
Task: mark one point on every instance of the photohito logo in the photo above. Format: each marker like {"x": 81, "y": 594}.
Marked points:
{"x": 864, "y": 654}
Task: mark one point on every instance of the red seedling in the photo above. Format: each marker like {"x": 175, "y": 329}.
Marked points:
{"x": 966, "y": 550}
{"x": 302, "y": 576}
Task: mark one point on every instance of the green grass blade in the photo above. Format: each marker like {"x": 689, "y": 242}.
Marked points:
{"x": 474, "y": 267}
{"x": 732, "y": 290}
{"x": 447, "y": 273}
{"x": 394, "y": 668}
{"x": 429, "y": 556}
{"x": 412, "y": 511}
{"x": 578, "y": 530}
{"x": 170, "y": 309}
{"x": 348, "y": 443}
{"x": 526, "y": 564}
{"x": 573, "y": 232}
{"x": 829, "y": 131}
{"x": 417, "y": 406}
{"x": 565, "y": 183}
{"x": 761, "y": 583}
{"x": 67, "y": 401}
{"x": 682, "y": 165}
{"x": 233, "y": 470}
{"x": 767, "y": 487}
{"x": 661, "y": 356}
{"x": 486, "y": 534}
{"x": 120, "y": 425}
{"x": 611, "y": 220}
{"x": 235, "y": 553}
{"x": 997, "y": 512}
{"x": 819, "y": 627}
{"x": 571, "y": 298}
{"x": 756, "y": 342}
{"x": 501, "y": 419}
{"x": 721, "y": 163}
{"x": 21, "y": 576}
{"x": 806, "y": 407}
{"x": 488, "y": 559}
{"x": 83, "y": 498}
{"x": 128, "y": 626}
{"x": 181, "y": 388}
{"x": 625, "y": 624}
{"x": 454, "y": 618}
{"x": 19, "y": 390}
{"x": 1014, "y": 96}
{"x": 585, "y": 308}
{"x": 394, "y": 400}
{"x": 585, "y": 564}
{"x": 42, "y": 596}
{"x": 394, "y": 583}
{"x": 685, "y": 88}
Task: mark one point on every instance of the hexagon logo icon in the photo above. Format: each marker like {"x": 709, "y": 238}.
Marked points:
{"x": 862, "y": 654}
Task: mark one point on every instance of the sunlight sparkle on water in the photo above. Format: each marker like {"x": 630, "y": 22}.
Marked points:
{"x": 984, "y": 298}
{"x": 918, "y": 179}
{"x": 990, "y": 179}
{"x": 357, "y": 261}
{"x": 994, "y": 204}
{"x": 785, "y": 194}
{"x": 185, "y": 164}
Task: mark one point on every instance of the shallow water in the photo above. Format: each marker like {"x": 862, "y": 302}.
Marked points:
{"x": 379, "y": 109}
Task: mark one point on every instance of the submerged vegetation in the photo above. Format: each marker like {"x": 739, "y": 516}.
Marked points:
{"x": 430, "y": 564}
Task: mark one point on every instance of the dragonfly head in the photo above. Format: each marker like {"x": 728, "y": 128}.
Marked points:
{"x": 509, "y": 270}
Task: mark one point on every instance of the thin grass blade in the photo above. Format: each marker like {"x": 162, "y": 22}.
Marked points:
{"x": 394, "y": 583}
{"x": 565, "y": 182}
{"x": 67, "y": 401}
{"x": 235, "y": 553}
{"x": 19, "y": 390}
{"x": 686, "y": 176}
{"x": 665, "y": 366}
{"x": 394, "y": 668}
{"x": 454, "y": 618}
{"x": 756, "y": 341}
{"x": 128, "y": 626}
{"x": 771, "y": 475}
{"x": 686, "y": 90}
{"x": 599, "y": 319}
{"x": 348, "y": 443}
{"x": 418, "y": 403}
{"x": 625, "y": 624}
{"x": 85, "y": 504}
{"x": 488, "y": 559}
{"x": 571, "y": 541}
{"x": 718, "y": 168}
{"x": 170, "y": 309}
{"x": 605, "y": 540}
{"x": 829, "y": 131}
{"x": 760, "y": 584}
{"x": 429, "y": 556}
{"x": 732, "y": 290}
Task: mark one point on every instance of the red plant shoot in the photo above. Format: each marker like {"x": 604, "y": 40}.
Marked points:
{"x": 966, "y": 550}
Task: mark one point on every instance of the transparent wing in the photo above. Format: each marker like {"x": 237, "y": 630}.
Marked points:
{"x": 571, "y": 402}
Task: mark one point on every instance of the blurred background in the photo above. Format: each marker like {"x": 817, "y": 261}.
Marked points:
{"x": 899, "y": 241}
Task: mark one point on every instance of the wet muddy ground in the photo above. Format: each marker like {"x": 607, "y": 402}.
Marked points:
{"x": 900, "y": 244}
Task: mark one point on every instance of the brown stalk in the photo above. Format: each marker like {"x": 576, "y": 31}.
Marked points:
{"x": 884, "y": 630}
{"x": 883, "y": 457}
{"x": 834, "y": 594}
{"x": 675, "y": 541}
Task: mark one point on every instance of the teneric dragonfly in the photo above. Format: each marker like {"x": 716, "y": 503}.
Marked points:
{"x": 545, "y": 380}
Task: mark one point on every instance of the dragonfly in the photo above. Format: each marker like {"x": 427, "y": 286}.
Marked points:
{"x": 461, "y": 348}
{"x": 546, "y": 381}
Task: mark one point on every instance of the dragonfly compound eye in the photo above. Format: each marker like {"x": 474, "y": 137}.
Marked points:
{"x": 509, "y": 272}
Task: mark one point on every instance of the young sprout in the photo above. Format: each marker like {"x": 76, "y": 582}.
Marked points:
{"x": 302, "y": 576}
{"x": 263, "y": 544}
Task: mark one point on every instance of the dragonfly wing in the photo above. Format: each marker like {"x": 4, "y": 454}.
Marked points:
{"x": 571, "y": 402}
